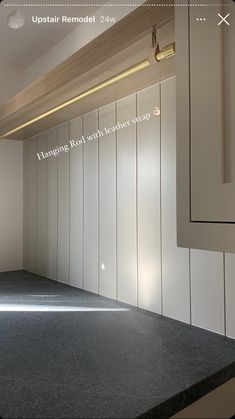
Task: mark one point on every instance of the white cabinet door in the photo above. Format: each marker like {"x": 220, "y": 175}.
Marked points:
{"x": 205, "y": 124}
{"x": 212, "y": 112}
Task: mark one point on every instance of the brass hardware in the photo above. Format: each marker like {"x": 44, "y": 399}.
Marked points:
{"x": 167, "y": 52}
{"x": 154, "y": 36}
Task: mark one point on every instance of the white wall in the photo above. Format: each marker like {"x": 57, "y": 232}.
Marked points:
{"x": 112, "y": 202}
{"x": 11, "y": 205}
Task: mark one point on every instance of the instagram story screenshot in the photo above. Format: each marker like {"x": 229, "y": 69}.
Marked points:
{"x": 117, "y": 209}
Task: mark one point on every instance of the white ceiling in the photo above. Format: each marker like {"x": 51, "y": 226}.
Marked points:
{"x": 24, "y": 46}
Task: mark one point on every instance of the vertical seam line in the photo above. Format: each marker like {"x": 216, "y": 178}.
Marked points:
{"x": 224, "y": 281}
{"x": 69, "y": 193}
{"x": 160, "y": 169}
{"x": 98, "y": 199}
{"x": 36, "y": 251}
{"x": 137, "y": 204}
{"x": 190, "y": 288}
{"x": 46, "y": 211}
{"x": 83, "y": 205}
{"x": 47, "y": 207}
{"x": 57, "y": 169}
{"x": 116, "y": 204}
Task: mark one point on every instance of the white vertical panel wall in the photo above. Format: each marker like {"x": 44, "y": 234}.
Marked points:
{"x": 109, "y": 209}
{"x": 52, "y": 206}
{"x": 107, "y": 204}
{"x": 91, "y": 204}
{"x": 41, "y": 208}
{"x": 230, "y": 293}
{"x": 76, "y": 205}
{"x": 126, "y": 203}
{"x": 32, "y": 205}
{"x": 175, "y": 260}
{"x": 25, "y": 203}
{"x": 11, "y": 205}
{"x": 148, "y": 201}
{"x": 207, "y": 290}
{"x": 63, "y": 206}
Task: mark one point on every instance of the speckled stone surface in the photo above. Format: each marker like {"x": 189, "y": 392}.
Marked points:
{"x": 93, "y": 363}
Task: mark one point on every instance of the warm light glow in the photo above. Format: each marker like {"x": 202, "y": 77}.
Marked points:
{"x": 47, "y": 308}
{"x": 94, "y": 89}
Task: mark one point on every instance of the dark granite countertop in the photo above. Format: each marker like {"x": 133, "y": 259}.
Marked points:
{"x": 76, "y": 360}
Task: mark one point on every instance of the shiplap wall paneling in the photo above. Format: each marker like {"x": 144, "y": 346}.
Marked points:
{"x": 91, "y": 203}
{"x": 149, "y": 221}
{"x": 107, "y": 203}
{"x": 230, "y": 294}
{"x": 32, "y": 213}
{"x": 175, "y": 260}
{"x": 63, "y": 205}
{"x": 126, "y": 203}
{"x": 11, "y": 205}
{"x": 26, "y": 206}
{"x": 41, "y": 207}
{"x": 138, "y": 197}
{"x": 207, "y": 278}
{"x": 52, "y": 213}
{"x": 76, "y": 205}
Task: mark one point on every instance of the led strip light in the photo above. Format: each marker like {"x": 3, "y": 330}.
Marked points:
{"x": 108, "y": 82}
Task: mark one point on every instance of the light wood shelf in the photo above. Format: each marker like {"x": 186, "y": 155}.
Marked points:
{"x": 125, "y": 44}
